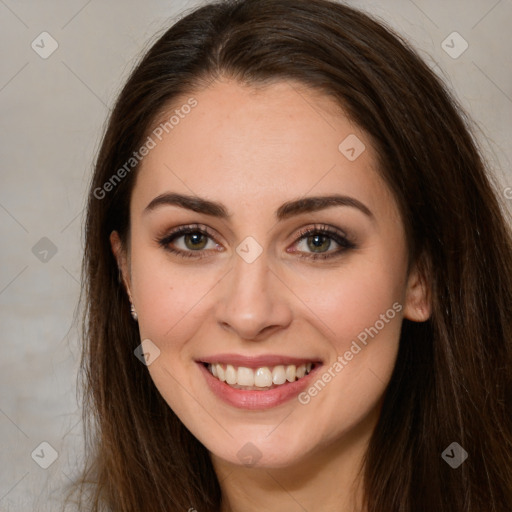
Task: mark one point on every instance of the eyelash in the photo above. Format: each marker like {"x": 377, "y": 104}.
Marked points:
{"x": 322, "y": 230}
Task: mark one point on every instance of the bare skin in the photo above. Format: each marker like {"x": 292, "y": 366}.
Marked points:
{"x": 253, "y": 150}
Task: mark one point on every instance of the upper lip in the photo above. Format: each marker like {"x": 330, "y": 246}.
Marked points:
{"x": 257, "y": 361}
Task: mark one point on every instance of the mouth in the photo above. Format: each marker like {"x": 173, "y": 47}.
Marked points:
{"x": 262, "y": 378}
{"x": 257, "y": 382}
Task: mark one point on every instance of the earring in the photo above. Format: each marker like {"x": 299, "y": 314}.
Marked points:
{"x": 133, "y": 312}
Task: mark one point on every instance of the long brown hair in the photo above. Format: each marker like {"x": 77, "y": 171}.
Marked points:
{"x": 452, "y": 379}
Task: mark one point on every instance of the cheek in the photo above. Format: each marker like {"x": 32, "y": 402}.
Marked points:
{"x": 349, "y": 300}
{"x": 169, "y": 297}
{"x": 360, "y": 314}
{"x": 358, "y": 308}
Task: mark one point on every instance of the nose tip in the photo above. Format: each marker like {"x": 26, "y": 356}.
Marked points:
{"x": 252, "y": 302}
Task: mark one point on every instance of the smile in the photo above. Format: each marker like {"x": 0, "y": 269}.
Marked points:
{"x": 263, "y": 378}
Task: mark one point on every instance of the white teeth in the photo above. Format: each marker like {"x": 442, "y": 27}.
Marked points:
{"x": 278, "y": 375}
{"x": 245, "y": 376}
{"x": 290, "y": 373}
{"x": 231, "y": 375}
{"x": 300, "y": 371}
{"x": 263, "y": 377}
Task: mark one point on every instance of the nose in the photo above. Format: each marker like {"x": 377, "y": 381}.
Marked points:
{"x": 253, "y": 301}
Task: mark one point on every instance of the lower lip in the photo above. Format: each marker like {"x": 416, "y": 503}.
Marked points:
{"x": 256, "y": 400}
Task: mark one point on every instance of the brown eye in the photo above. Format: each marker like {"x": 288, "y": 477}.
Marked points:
{"x": 194, "y": 242}
{"x": 318, "y": 243}
{"x": 319, "y": 239}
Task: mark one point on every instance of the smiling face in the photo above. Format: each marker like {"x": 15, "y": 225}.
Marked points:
{"x": 263, "y": 289}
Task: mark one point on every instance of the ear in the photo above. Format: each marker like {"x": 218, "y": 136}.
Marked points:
{"x": 418, "y": 307}
{"x": 122, "y": 260}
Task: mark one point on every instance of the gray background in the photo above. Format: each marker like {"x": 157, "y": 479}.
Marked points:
{"x": 52, "y": 115}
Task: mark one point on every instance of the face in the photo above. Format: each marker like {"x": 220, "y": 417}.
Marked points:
{"x": 275, "y": 318}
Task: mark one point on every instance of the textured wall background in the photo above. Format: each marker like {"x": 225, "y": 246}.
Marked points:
{"x": 53, "y": 107}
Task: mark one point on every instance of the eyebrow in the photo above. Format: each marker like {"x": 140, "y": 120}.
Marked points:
{"x": 285, "y": 211}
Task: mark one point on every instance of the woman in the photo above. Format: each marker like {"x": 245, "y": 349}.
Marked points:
{"x": 297, "y": 277}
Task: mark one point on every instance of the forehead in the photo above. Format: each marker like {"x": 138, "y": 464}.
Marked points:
{"x": 259, "y": 146}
